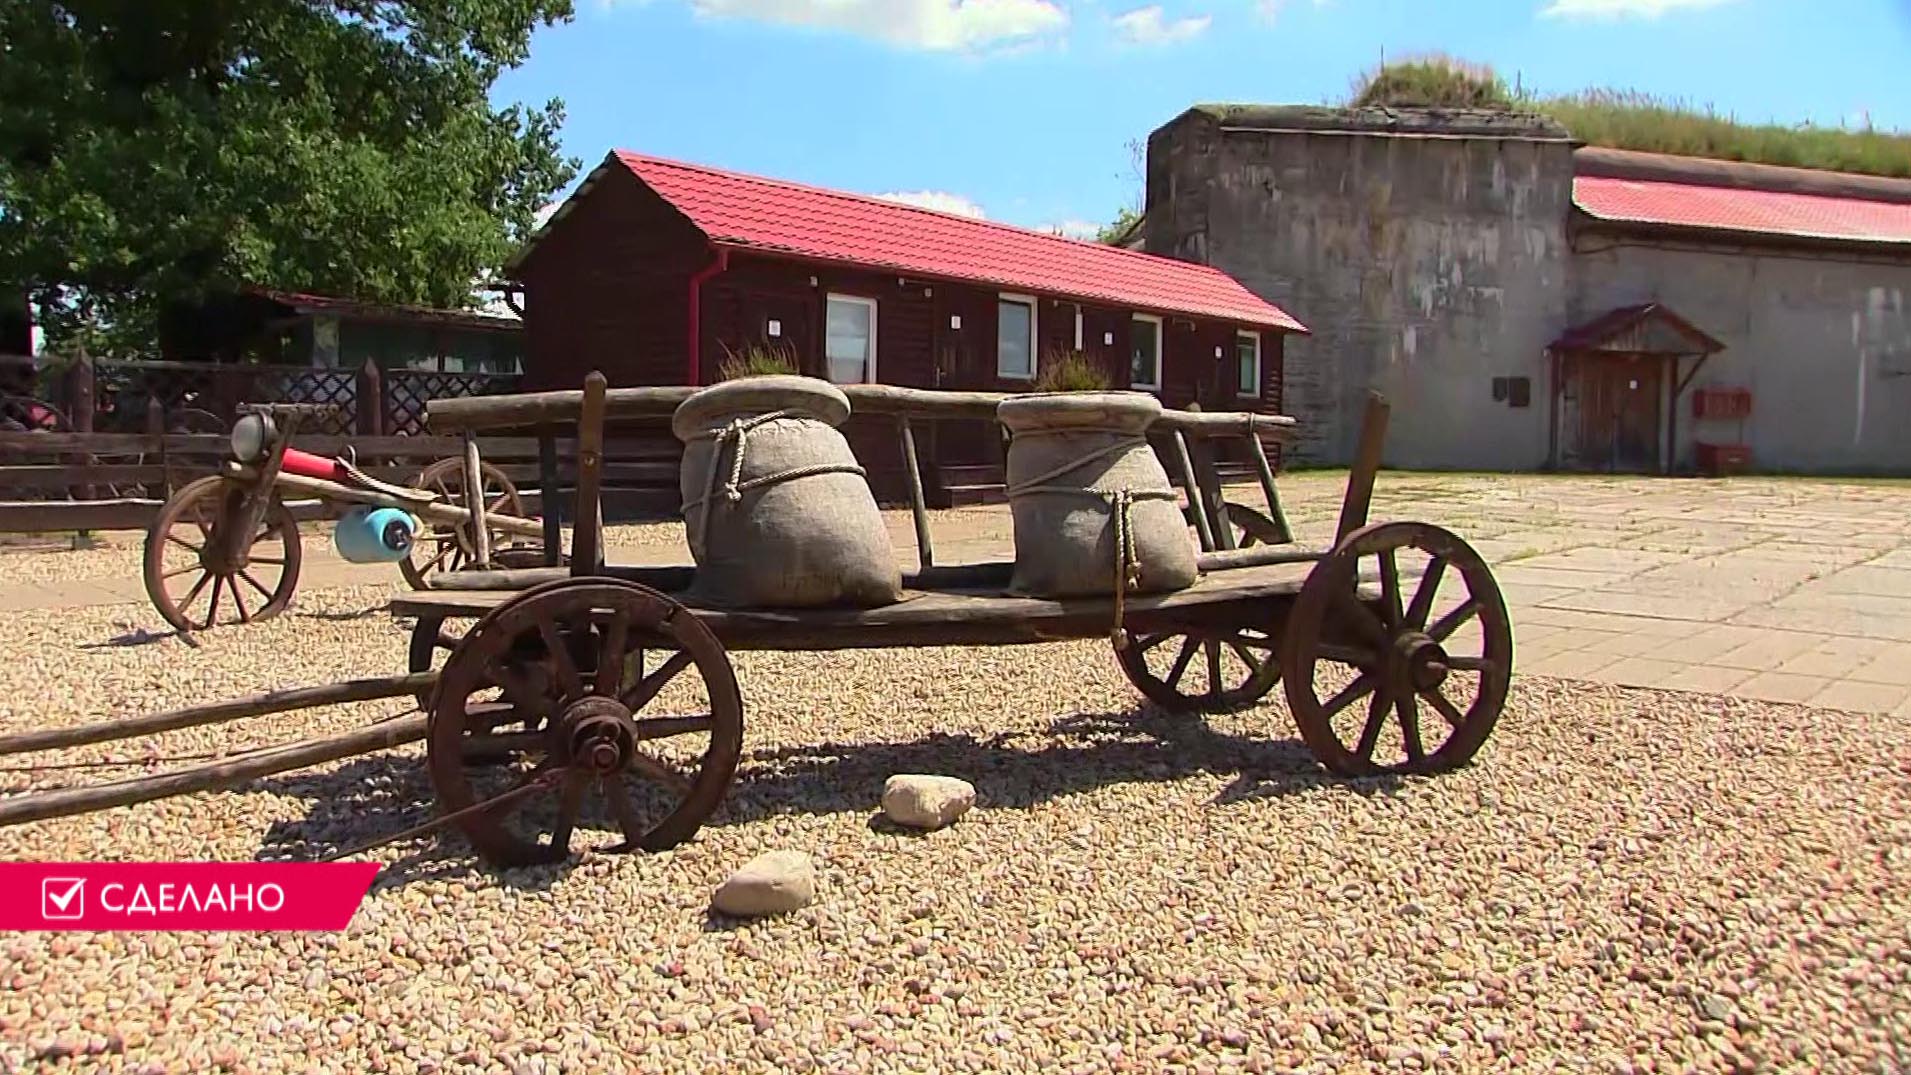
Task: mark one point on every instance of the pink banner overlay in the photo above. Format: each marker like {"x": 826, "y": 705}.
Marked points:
{"x": 182, "y": 895}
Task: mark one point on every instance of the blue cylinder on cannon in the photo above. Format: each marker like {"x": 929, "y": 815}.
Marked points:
{"x": 368, "y": 535}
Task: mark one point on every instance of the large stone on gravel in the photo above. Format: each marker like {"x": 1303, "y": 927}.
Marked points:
{"x": 926, "y": 802}
{"x": 775, "y": 882}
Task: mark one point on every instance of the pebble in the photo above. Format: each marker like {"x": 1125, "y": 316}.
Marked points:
{"x": 776, "y": 882}
{"x": 1162, "y": 884}
{"x": 921, "y": 801}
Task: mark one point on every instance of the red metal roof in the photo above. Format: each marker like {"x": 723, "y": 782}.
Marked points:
{"x": 1753, "y": 211}
{"x": 827, "y": 225}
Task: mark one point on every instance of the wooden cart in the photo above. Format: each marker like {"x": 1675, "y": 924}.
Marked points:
{"x": 597, "y": 695}
{"x": 230, "y": 535}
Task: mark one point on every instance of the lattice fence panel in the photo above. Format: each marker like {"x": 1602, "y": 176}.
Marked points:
{"x": 407, "y": 392}
{"x": 122, "y": 391}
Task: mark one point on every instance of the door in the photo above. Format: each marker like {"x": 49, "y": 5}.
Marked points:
{"x": 1619, "y": 413}
{"x": 965, "y": 362}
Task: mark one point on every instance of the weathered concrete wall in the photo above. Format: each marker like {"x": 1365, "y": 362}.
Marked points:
{"x": 1426, "y": 266}
{"x": 1823, "y": 344}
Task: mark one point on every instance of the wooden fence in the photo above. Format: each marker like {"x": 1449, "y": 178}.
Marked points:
{"x": 98, "y": 444}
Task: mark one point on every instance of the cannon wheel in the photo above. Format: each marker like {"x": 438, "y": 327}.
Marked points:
{"x": 185, "y": 558}
{"x": 446, "y": 547}
{"x": 579, "y": 685}
{"x": 1437, "y": 671}
{"x": 1210, "y": 672}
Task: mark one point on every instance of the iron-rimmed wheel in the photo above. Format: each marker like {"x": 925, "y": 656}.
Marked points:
{"x": 1408, "y": 658}
{"x": 560, "y": 683}
{"x": 1218, "y": 671}
{"x": 446, "y": 547}
{"x": 188, "y": 557}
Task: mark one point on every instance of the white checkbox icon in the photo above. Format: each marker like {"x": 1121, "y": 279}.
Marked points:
{"x": 62, "y": 897}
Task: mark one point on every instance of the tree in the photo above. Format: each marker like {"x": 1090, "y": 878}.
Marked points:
{"x": 1136, "y": 177}
{"x": 155, "y": 152}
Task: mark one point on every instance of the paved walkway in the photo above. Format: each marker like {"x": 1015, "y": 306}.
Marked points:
{"x": 1780, "y": 589}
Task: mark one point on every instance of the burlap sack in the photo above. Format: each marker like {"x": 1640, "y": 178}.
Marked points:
{"x": 1090, "y": 500}
{"x": 778, "y": 513}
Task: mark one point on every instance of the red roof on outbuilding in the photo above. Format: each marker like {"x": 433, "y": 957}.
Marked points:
{"x": 826, "y": 225}
{"x": 1764, "y": 212}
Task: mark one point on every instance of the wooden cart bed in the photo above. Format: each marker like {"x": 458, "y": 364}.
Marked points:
{"x": 958, "y": 606}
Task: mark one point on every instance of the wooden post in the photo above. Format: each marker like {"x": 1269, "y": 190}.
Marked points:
{"x": 368, "y": 393}
{"x": 547, "y": 495}
{"x": 918, "y": 509}
{"x": 474, "y": 502}
{"x": 1266, "y": 473}
{"x": 80, "y": 404}
{"x": 1360, "y": 480}
{"x": 1202, "y": 452}
{"x": 1195, "y": 506}
{"x": 156, "y": 429}
{"x": 587, "y": 548}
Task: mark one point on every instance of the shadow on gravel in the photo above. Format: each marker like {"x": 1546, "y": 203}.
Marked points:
{"x": 1011, "y": 770}
{"x": 138, "y": 636}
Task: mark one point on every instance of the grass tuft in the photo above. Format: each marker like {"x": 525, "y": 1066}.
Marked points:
{"x": 1071, "y": 371}
{"x": 1625, "y": 119}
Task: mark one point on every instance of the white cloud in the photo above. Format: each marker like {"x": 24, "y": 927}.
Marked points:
{"x": 1148, "y": 26}
{"x": 940, "y": 200}
{"x": 1622, "y": 9}
{"x": 934, "y": 25}
{"x": 1270, "y": 10}
{"x": 543, "y": 216}
{"x": 1073, "y": 229}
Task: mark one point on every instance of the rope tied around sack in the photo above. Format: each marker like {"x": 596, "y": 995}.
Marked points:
{"x": 1120, "y": 503}
{"x": 734, "y": 484}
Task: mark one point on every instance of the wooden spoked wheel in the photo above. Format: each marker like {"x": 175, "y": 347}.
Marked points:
{"x": 1249, "y": 526}
{"x": 1412, "y": 682}
{"x": 1216, "y": 671}
{"x": 198, "y": 578}
{"x": 431, "y": 640}
{"x": 447, "y": 547}
{"x": 611, "y": 698}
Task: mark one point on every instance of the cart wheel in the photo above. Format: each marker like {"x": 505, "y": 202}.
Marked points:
{"x": 444, "y": 546}
{"x": 1210, "y": 672}
{"x": 430, "y": 641}
{"x": 626, "y": 744}
{"x": 185, "y": 562}
{"x": 1449, "y": 647}
{"x": 1250, "y": 526}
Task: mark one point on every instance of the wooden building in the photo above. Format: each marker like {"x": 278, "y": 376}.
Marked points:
{"x": 328, "y": 332}
{"x": 654, "y": 270}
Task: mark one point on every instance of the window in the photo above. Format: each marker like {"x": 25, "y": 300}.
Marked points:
{"x": 1078, "y": 326}
{"x": 849, "y": 343}
{"x": 1247, "y": 352}
{"x": 1144, "y": 351}
{"x": 1015, "y": 337}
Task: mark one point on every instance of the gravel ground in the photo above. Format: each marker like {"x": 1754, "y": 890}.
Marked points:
{"x": 1626, "y": 881}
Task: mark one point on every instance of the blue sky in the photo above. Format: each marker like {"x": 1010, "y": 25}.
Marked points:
{"x": 1022, "y": 109}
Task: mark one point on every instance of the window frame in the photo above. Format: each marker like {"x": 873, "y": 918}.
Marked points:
{"x": 1161, "y": 347}
{"x": 1259, "y": 370}
{"x": 1078, "y": 326}
{"x": 869, "y": 365}
{"x": 1034, "y": 335}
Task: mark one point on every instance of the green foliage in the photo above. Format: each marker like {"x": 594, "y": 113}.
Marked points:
{"x": 757, "y": 360}
{"x": 1434, "y": 80}
{"x": 1070, "y": 371}
{"x": 160, "y": 151}
{"x": 1621, "y": 119}
{"x": 1112, "y": 232}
